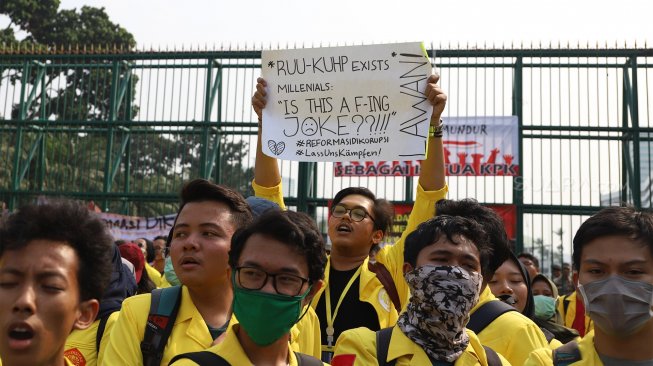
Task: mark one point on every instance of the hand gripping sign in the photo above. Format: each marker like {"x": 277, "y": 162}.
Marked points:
{"x": 346, "y": 103}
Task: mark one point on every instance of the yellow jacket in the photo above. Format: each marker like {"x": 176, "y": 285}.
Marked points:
{"x": 231, "y": 350}
{"x": 392, "y": 256}
{"x": 189, "y": 334}
{"x": 80, "y": 345}
{"x": 569, "y": 315}
{"x": 588, "y": 354}
{"x": 511, "y": 334}
{"x": 154, "y": 275}
{"x": 361, "y": 342}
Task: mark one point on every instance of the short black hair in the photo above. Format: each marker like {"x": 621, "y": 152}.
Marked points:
{"x": 533, "y": 258}
{"x": 383, "y": 210}
{"x": 295, "y": 229}
{"x": 624, "y": 221}
{"x": 160, "y": 237}
{"x": 490, "y": 221}
{"x": 430, "y": 231}
{"x": 202, "y": 190}
{"x": 72, "y": 223}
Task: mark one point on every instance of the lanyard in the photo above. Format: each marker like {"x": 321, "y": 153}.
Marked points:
{"x": 331, "y": 317}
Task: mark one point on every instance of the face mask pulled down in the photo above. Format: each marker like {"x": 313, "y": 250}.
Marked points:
{"x": 441, "y": 299}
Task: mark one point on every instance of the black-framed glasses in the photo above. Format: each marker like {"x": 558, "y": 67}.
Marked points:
{"x": 253, "y": 278}
{"x": 356, "y": 213}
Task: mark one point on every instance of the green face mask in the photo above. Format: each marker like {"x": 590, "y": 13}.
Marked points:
{"x": 545, "y": 307}
{"x": 170, "y": 274}
{"x": 266, "y": 317}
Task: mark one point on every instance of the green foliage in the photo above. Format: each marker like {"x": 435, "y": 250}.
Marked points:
{"x": 80, "y": 158}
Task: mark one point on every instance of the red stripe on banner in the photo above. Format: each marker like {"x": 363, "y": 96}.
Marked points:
{"x": 461, "y": 143}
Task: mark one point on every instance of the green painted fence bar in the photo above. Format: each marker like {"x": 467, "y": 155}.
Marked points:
{"x": 127, "y": 128}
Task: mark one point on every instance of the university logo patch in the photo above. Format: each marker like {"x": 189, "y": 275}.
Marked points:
{"x": 75, "y": 356}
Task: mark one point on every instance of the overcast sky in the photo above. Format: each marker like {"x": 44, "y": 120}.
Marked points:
{"x": 198, "y": 22}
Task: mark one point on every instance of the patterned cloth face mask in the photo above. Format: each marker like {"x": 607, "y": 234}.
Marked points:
{"x": 441, "y": 299}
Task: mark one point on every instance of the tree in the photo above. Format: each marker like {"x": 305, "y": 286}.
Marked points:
{"x": 83, "y": 93}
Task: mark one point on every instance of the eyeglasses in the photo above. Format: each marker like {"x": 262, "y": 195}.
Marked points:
{"x": 284, "y": 283}
{"x": 356, "y": 213}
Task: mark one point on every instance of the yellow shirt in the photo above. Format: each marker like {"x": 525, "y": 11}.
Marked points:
{"x": 231, "y": 350}
{"x": 588, "y": 354}
{"x": 392, "y": 256}
{"x": 80, "y": 345}
{"x": 154, "y": 275}
{"x": 570, "y": 314}
{"x": 361, "y": 342}
{"x": 511, "y": 334}
{"x": 164, "y": 282}
{"x": 189, "y": 334}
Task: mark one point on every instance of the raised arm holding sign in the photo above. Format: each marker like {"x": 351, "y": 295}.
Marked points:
{"x": 353, "y": 295}
{"x": 346, "y": 103}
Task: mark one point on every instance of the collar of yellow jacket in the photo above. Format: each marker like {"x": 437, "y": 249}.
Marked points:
{"x": 197, "y": 330}
{"x": 587, "y": 350}
{"x": 231, "y": 350}
{"x": 401, "y": 345}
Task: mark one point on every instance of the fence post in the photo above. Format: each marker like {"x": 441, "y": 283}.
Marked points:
{"x": 15, "y": 179}
{"x": 518, "y": 181}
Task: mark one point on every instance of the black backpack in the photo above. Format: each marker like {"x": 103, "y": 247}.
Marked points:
{"x": 566, "y": 354}
{"x": 163, "y": 312}
{"x": 206, "y": 358}
{"x": 486, "y": 314}
{"x": 383, "y": 343}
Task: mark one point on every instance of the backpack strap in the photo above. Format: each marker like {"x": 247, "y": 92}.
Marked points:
{"x": 565, "y": 304}
{"x": 163, "y": 312}
{"x": 486, "y": 314}
{"x": 100, "y": 331}
{"x": 492, "y": 357}
{"x": 382, "y": 345}
{"x": 307, "y": 360}
{"x": 388, "y": 283}
{"x": 202, "y": 358}
{"x": 566, "y": 354}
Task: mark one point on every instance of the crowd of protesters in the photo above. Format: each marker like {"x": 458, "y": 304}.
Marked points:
{"x": 246, "y": 282}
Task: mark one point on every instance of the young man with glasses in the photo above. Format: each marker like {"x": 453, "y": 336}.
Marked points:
{"x": 208, "y": 217}
{"x": 277, "y": 266}
{"x": 354, "y": 296}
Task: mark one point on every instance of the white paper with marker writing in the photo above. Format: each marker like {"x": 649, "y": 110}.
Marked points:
{"x": 346, "y": 103}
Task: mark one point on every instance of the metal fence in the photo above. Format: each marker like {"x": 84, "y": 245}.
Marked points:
{"x": 126, "y": 129}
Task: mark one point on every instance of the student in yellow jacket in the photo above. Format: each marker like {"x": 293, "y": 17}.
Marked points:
{"x": 568, "y": 308}
{"x": 613, "y": 254}
{"x": 82, "y": 347}
{"x": 353, "y": 295}
{"x": 154, "y": 275}
{"x": 208, "y": 217}
{"x": 511, "y": 334}
{"x": 277, "y": 265}
{"x": 55, "y": 262}
{"x": 443, "y": 270}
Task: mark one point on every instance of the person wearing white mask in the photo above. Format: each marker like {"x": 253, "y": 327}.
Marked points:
{"x": 613, "y": 253}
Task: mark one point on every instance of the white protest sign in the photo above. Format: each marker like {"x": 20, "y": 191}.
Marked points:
{"x": 346, "y": 103}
